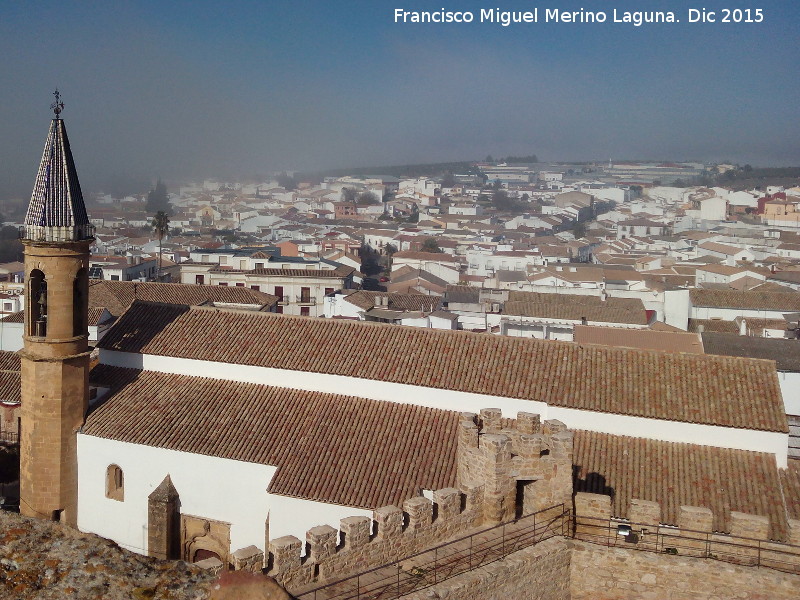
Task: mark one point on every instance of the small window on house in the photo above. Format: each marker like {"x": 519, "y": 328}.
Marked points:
{"x": 259, "y": 265}
{"x": 239, "y": 285}
{"x": 255, "y": 288}
{"x": 115, "y": 483}
{"x": 115, "y": 278}
{"x": 243, "y": 264}
{"x": 204, "y": 258}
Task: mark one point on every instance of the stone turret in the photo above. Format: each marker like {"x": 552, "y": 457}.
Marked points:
{"x": 56, "y": 237}
{"x": 523, "y": 464}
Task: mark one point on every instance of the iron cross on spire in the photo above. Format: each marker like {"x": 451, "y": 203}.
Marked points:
{"x": 58, "y": 105}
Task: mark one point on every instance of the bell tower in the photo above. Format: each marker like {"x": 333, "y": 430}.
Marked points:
{"x": 56, "y": 237}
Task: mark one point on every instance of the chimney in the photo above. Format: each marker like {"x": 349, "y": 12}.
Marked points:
{"x": 743, "y": 327}
{"x": 584, "y": 321}
{"x": 378, "y": 301}
{"x": 701, "y": 328}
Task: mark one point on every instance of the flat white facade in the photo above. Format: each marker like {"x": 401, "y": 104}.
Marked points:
{"x": 230, "y": 491}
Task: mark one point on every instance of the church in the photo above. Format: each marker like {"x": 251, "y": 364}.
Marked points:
{"x": 203, "y": 430}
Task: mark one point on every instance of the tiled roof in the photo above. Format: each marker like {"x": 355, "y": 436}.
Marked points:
{"x": 715, "y": 325}
{"x": 466, "y": 294}
{"x": 790, "y": 480}
{"x": 574, "y": 312}
{"x": 9, "y": 376}
{"x": 327, "y": 447}
{"x": 417, "y": 302}
{"x": 9, "y": 361}
{"x": 17, "y": 317}
{"x": 679, "y": 387}
{"x": 325, "y": 273}
{"x": 574, "y": 307}
{"x": 95, "y": 314}
{"x": 675, "y": 474}
{"x": 754, "y": 300}
{"x": 117, "y": 296}
{"x": 644, "y": 339}
{"x": 785, "y": 353}
{"x": 720, "y": 248}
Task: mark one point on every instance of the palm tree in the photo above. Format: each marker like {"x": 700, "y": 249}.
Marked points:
{"x": 161, "y": 227}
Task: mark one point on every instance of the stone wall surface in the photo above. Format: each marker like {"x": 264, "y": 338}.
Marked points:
{"x": 601, "y": 573}
{"x": 539, "y": 572}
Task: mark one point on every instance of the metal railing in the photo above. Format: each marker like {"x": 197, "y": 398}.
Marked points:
{"x": 686, "y": 542}
{"x": 306, "y": 299}
{"x": 442, "y": 562}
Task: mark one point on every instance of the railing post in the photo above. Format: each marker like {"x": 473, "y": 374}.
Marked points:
{"x": 470, "y": 552}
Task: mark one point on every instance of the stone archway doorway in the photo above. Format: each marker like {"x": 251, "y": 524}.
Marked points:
{"x": 202, "y": 554}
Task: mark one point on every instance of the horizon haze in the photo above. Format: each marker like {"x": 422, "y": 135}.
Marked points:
{"x": 241, "y": 89}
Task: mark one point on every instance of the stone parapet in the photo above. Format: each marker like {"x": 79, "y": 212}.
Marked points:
{"x": 747, "y": 542}
{"x": 398, "y": 533}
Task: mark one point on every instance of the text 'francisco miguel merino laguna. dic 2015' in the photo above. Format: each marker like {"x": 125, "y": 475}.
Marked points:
{"x": 547, "y": 15}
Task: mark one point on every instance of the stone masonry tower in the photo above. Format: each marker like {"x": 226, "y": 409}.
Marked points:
{"x": 55, "y": 360}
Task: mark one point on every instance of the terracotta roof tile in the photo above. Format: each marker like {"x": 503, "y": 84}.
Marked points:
{"x": 717, "y": 390}
{"x": 675, "y": 474}
{"x": 785, "y": 352}
{"x": 755, "y": 300}
{"x": 644, "y": 339}
{"x": 418, "y": 302}
{"x": 9, "y": 377}
{"x": 790, "y": 481}
{"x": 117, "y": 296}
{"x": 327, "y": 447}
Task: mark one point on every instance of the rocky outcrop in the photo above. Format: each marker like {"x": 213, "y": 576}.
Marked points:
{"x": 43, "y": 560}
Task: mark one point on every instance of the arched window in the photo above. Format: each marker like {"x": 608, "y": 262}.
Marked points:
{"x": 37, "y": 304}
{"x": 115, "y": 483}
{"x": 79, "y": 310}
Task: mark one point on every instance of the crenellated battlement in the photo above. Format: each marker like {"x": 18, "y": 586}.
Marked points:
{"x": 524, "y": 464}
{"x": 505, "y": 468}
{"x": 747, "y": 542}
{"x": 362, "y": 543}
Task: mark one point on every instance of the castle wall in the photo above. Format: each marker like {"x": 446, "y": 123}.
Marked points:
{"x": 600, "y": 572}
{"x": 670, "y": 431}
{"x": 539, "y": 572}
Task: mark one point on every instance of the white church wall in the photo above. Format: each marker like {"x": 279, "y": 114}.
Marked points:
{"x": 675, "y": 431}
{"x": 790, "y": 389}
{"x": 656, "y": 429}
{"x": 295, "y": 516}
{"x": 215, "y": 488}
{"x": 11, "y": 336}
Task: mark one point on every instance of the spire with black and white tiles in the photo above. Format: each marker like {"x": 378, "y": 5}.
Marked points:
{"x": 57, "y": 212}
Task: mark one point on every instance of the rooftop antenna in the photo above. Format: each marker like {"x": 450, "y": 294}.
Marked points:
{"x": 58, "y": 105}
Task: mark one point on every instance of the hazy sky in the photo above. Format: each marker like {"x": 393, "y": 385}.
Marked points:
{"x": 181, "y": 89}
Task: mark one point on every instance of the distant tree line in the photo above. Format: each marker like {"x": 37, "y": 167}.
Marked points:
{"x": 158, "y": 199}
{"x": 10, "y": 245}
